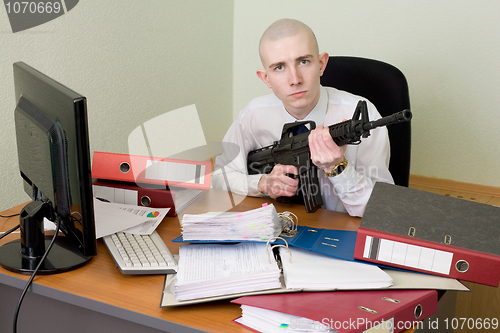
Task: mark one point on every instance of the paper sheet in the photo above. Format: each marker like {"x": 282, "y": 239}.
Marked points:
{"x": 312, "y": 270}
{"x": 113, "y": 217}
{"x": 414, "y": 280}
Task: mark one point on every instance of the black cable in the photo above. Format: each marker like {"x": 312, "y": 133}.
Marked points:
{"x": 9, "y": 216}
{"x": 10, "y": 231}
{"x": 30, "y": 281}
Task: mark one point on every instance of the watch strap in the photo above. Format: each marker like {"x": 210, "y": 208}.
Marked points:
{"x": 338, "y": 168}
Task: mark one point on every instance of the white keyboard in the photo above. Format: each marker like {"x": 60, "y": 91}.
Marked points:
{"x": 139, "y": 254}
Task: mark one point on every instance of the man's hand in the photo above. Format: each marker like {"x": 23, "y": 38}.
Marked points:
{"x": 325, "y": 153}
{"x": 277, "y": 184}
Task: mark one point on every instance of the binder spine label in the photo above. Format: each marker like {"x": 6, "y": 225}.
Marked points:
{"x": 116, "y": 195}
{"x": 175, "y": 172}
{"x": 408, "y": 255}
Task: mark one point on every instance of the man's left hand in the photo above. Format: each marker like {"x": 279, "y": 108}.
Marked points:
{"x": 325, "y": 153}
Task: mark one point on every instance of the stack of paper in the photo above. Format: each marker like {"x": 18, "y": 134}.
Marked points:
{"x": 259, "y": 224}
{"x": 207, "y": 270}
{"x": 263, "y": 320}
{"x": 315, "y": 271}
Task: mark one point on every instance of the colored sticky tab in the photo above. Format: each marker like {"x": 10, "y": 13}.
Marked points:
{"x": 264, "y": 204}
{"x": 239, "y": 215}
{"x": 284, "y": 325}
{"x": 252, "y": 226}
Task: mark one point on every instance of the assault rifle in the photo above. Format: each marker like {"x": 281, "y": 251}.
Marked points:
{"x": 294, "y": 149}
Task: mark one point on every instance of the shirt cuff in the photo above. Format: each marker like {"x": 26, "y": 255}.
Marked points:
{"x": 253, "y": 182}
{"x": 347, "y": 179}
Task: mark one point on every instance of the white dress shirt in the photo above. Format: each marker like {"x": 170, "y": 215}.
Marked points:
{"x": 261, "y": 122}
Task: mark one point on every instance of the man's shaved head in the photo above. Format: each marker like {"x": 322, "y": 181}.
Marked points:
{"x": 292, "y": 65}
{"x": 286, "y": 28}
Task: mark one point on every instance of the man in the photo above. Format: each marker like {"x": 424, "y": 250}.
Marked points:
{"x": 292, "y": 69}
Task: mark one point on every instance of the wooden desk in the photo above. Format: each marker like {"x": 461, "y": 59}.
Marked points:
{"x": 100, "y": 293}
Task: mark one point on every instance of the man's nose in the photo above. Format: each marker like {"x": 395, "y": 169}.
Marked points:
{"x": 295, "y": 77}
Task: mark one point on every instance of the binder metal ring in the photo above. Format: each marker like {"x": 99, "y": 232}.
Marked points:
{"x": 280, "y": 245}
{"x": 273, "y": 239}
{"x": 290, "y": 225}
{"x": 391, "y": 300}
{"x": 272, "y": 247}
{"x": 145, "y": 201}
{"x": 447, "y": 239}
{"x": 418, "y": 311}
{"x": 124, "y": 167}
{"x": 364, "y": 308}
{"x": 462, "y": 266}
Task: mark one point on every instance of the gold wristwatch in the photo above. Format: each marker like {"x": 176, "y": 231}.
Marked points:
{"x": 337, "y": 169}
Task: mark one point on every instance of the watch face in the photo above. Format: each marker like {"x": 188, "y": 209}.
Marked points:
{"x": 338, "y": 169}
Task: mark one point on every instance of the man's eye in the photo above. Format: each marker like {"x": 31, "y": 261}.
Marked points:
{"x": 279, "y": 68}
{"x": 304, "y": 61}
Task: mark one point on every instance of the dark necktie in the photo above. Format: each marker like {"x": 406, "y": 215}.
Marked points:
{"x": 300, "y": 129}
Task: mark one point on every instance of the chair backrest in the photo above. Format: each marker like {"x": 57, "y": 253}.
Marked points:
{"x": 386, "y": 87}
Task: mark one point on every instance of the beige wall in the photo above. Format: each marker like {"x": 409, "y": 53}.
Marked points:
{"x": 449, "y": 51}
{"x": 133, "y": 60}
{"x": 137, "y": 60}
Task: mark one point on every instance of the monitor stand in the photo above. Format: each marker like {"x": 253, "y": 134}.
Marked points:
{"x": 23, "y": 255}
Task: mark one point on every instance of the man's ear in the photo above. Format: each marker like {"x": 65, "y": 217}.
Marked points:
{"x": 262, "y": 74}
{"x": 323, "y": 60}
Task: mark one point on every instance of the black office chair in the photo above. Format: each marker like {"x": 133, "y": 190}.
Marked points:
{"x": 385, "y": 86}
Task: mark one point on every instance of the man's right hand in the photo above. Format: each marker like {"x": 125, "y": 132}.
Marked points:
{"x": 277, "y": 184}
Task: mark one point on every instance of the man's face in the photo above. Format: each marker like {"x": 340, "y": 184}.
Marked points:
{"x": 292, "y": 69}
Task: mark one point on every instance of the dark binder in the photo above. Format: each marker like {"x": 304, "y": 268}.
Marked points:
{"x": 431, "y": 233}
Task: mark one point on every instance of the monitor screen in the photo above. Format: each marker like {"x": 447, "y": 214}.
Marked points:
{"x": 54, "y": 162}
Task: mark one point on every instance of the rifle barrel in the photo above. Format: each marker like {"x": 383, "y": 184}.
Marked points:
{"x": 395, "y": 118}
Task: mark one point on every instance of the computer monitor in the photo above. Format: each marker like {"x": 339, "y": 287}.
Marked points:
{"x": 54, "y": 161}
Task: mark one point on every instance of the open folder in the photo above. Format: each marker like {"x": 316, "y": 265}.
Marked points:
{"x": 207, "y": 270}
